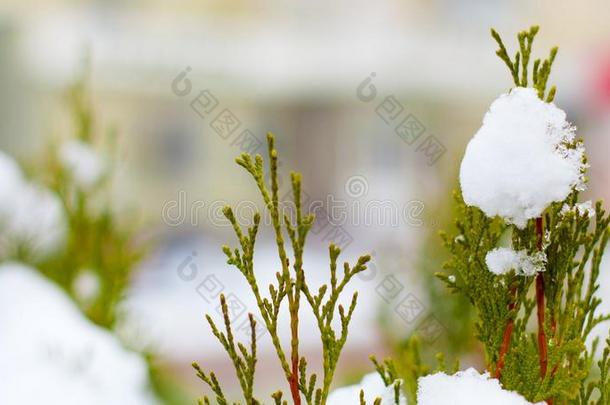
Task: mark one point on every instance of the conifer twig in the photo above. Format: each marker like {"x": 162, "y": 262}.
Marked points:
{"x": 291, "y": 283}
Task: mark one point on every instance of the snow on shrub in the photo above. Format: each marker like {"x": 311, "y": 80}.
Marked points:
{"x": 503, "y": 260}
{"x": 465, "y": 388}
{"x": 373, "y": 387}
{"x": 51, "y": 354}
{"x": 30, "y": 215}
{"x": 522, "y": 159}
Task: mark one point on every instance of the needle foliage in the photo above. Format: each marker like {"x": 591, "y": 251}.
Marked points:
{"x": 289, "y": 291}
{"x": 548, "y": 360}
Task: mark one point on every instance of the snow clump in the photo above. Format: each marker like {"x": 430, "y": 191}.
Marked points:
{"x": 465, "y": 388}
{"x": 502, "y": 260}
{"x": 47, "y": 344}
{"x": 523, "y": 158}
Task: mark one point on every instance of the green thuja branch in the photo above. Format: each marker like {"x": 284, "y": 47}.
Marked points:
{"x": 244, "y": 361}
{"x": 289, "y": 286}
{"x": 551, "y": 363}
{"x": 325, "y": 310}
{"x": 405, "y": 371}
{"x": 603, "y": 384}
{"x": 377, "y": 401}
{"x": 97, "y": 240}
{"x": 540, "y": 73}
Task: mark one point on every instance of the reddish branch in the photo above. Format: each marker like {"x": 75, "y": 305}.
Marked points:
{"x": 294, "y": 353}
{"x": 542, "y": 343}
{"x": 294, "y": 381}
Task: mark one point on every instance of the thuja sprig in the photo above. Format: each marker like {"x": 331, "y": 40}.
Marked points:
{"x": 389, "y": 375}
{"x": 573, "y": 245}
{"x": 602, "y": 385}
{"x": 551, "y": 362}
{"x": 520, "y": 65}
{"x": 324, "y": 310}
{"x": 540, "y": 75}
{"x": 244, "y": 360}
{"x": 289, "y": 286}
{"x": 407, "y": 367}
{"x": 95, "y": 240}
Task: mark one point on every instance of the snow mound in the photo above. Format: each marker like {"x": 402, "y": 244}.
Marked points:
{"x": 84, "y": 164}
{"x": 519, "y": 162}
{"x": 502, "y": 260}
{"x": 29, "y": 214}
{"x": 50, "y": 354}
{"x": 373, "y": 387}
{"x": 465, "y": 388}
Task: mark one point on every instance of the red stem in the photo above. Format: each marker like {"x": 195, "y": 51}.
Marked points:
{"x": 294, "y": 353}
{"x": 294, "y": 381}
{"x": 542, "y": 343}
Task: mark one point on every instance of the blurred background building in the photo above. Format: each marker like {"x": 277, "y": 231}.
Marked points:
{"x": 299, "y": 70}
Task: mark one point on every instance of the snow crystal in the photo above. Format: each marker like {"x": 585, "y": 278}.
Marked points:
{"x": 83, "y": 162}
{"x": 503, "y": 260}
{"x": 47, "y": 344}
{"x": 373, "y": 387}
{"x": 583, "y": 209}
{"x": 465, "y": 388}
{"x": 519, "y": 161}
{"x": 29, "y": 214}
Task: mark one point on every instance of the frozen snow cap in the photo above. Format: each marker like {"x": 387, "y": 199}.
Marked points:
{"x": 373, "y": 387}
{"x": 51, "y": 354}
{"x": 465, "y": 388}
{"x": 519, "y": 162}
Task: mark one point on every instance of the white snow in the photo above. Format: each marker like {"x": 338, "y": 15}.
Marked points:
{"x": 518, "y": 163}
{"x": 86, "y": 286}
{"x": 51, "y": 354}
{"x": 502, "y": 260}
{"x": 373, "y": 387}
{"x": 465, "y": 388}
{"x": 29, "y": 213}
{"x": 583, "y": 209}
{"x": 83, "y": 162}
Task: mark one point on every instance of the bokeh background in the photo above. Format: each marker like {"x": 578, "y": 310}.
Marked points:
{"x": 299, "y": 70}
